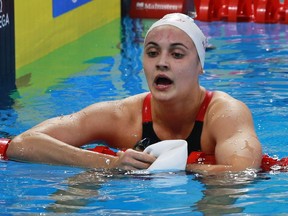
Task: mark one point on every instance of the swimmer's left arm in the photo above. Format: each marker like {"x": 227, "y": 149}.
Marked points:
{"x": 236, "y": 154}
{"x": 237, "y": 146}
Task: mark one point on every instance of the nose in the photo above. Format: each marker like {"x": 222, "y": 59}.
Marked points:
{"x": 162, "y": 64}
{"x": 162, "y": 67}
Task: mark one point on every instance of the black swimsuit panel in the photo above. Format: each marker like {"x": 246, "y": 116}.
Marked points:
{"x": 149, "y": 136}
{"x": 193, "y": 140}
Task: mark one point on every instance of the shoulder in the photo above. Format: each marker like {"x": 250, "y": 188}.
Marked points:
{"x": 115, "y": 107}
{"x": 230, "y": 128}
{"x": 227, "y": 113}
{"x": 225, "y": 103}
{"x": 115, "y": 122}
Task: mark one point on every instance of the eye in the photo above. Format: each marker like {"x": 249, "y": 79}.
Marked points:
{"x": 152, "y": 54}
{"x": 177, "y": 55}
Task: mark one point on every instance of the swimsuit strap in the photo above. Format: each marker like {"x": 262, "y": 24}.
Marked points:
{"x": 146, "y": 110}
{"x": 201, "y": 113}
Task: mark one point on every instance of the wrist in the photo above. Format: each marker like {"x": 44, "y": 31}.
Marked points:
{"x": 4, "y": 143}
{"x": 111, "y": 162}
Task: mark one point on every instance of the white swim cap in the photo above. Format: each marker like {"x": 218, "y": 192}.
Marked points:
{"x": 186, "y": 24}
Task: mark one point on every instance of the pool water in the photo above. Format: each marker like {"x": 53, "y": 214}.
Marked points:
{"x": 248, "y": 61}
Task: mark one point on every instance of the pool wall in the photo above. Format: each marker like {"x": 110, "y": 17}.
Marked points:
{"x": 59, "y": 38}
{"x": 32, "y": 30}
{"x": 43, "y": 26}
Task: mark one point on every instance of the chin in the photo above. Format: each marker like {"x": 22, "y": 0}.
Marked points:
{"x": 163, "y": 95}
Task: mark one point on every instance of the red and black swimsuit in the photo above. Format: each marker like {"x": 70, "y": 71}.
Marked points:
{"x": 194, "y": 139}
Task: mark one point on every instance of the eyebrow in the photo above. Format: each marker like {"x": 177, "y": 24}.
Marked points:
{"x": 172, "y": 45}
{"x": 179, "y": 44}
{"x": 151, "y": 43}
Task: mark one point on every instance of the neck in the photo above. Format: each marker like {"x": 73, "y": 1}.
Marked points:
{"x": 177, "y": 113}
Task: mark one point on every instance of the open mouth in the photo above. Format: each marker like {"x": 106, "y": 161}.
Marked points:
{"x": 163, "y": 80}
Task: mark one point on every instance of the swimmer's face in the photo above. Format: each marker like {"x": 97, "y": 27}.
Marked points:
{"x": 170, "y": 62}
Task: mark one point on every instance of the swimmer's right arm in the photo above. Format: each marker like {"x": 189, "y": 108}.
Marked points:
{"x": 45, "y": 149}
{"x": 57, "y": 140}
{"x": 42, "y": 148}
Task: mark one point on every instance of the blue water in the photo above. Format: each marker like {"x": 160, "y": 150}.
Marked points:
{"x": 249, "y": 61}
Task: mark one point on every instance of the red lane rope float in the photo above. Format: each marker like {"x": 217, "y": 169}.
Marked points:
{"x": 283, "y": 12}
{"x": 233, "y": 10}
{"x": 3, "y": 148}
{"x": 286, "y": 11}
{"x": 205, "y": 8}
{"x": 210, "y": 10}
{"x": 239, "y": 10}
{"x": 268, "y": 163}
{"x": 261, "y": 11}
{"x": 279, "y": 164}
{"x": 266, "y": 11}
{"x": 103, "y": 150}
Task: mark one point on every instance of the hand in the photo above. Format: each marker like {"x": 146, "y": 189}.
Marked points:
{"x": 133, "y": 160}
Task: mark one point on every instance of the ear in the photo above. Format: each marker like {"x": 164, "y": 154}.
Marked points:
{"x": 201, "y": 71}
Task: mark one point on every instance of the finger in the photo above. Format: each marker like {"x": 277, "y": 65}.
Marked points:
{"x": 135, "y": 160}
{"x": 141, "y": 156}
{"x": 119, "y": 153}
{"x": 145, "y": 158}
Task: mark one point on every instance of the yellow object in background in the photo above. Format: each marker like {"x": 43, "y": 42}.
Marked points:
{"x": 38, "y": 31}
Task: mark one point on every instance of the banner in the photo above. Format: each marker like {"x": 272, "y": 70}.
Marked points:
{"x": 7, "y": 45}
{"x": 64, "y": 6}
